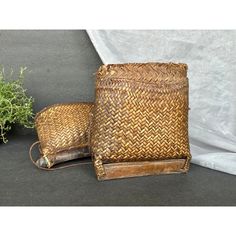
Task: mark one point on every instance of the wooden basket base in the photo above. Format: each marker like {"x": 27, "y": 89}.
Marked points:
{"x": 142, "y": 168}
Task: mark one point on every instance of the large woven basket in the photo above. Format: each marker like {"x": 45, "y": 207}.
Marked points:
{"x": 63, "y": 132}
{"x": 140, "y": 116}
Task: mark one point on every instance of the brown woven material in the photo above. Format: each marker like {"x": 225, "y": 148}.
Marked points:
{"x": 140, "y": 114}
{"x": 63, "y": 128}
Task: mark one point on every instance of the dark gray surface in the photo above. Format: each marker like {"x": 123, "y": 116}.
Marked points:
{"x": 63, "y": 63}
{"x": 22, "y": 184}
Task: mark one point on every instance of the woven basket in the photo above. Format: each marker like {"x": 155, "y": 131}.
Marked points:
{"x": 140, "y": 115}
{"x": 63, "y": 131}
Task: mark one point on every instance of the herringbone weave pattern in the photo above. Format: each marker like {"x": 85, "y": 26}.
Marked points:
{"x": 140, "y": 113}
{"x": 63, "y": 127}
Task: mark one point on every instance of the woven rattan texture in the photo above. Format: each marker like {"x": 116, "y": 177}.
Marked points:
{"x": 140, "y": 113}
{"x": 62, "y": 127}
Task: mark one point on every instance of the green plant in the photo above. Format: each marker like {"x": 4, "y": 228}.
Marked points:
{"x": 15, "y": 105}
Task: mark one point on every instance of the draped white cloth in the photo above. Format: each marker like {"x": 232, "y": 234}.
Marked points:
{"x": 211, "y": 58}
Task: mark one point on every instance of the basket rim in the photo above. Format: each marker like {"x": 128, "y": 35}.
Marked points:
{"x": 59, "y": 104}
{"x": 147, "y": 63}
{"x": 163, "y": 67}
{"x": 165, "y": 64}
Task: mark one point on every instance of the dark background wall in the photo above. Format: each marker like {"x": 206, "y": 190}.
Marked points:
{"x": 62, "y": 63}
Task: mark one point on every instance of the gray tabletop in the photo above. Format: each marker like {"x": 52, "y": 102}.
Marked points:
{"x": 22, "y": 184}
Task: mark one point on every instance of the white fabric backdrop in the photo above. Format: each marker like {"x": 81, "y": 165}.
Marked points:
{"x": 211, "y": 57}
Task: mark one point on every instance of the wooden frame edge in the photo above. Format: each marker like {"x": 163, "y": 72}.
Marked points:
{"x": 142, "y": 168}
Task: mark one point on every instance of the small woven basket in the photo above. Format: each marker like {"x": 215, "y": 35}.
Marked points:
{"x": 140, "y": 115}
{"x": 63, "y": 132}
